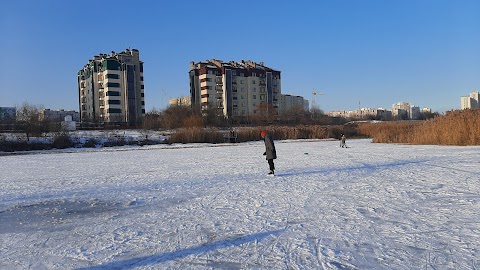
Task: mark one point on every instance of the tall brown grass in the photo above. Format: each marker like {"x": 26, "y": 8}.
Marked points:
{"x": 196, "y": 135}
{"x": 389, "y": 132}
{"x": 245, "y": 134}
{"x": 454, "y": 128}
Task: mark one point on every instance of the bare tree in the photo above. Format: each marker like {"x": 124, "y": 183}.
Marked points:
{"x": 28, "y": 120}
{"x": 265, "y": 114}
{"x": 174, "y": 116}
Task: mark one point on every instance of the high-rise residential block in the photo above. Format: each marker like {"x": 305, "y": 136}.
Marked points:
{"x": 111, "y": 88}
{"x": 470, "y": 102}
{"x": 235, "y": 89}
{"x": 291, "y": 102}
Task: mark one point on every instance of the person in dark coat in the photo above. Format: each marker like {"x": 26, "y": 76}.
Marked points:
{"x": 342, "y": 141}
{"x": 270, "y": 152}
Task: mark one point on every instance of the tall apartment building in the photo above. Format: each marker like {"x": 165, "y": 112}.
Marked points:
{"x": 111, "y": 88}
{"x": 289, "y": 102}
{"x": 234, "y": 88}
{"x": 471, "y": 102}
{"x": 401, "y": 110}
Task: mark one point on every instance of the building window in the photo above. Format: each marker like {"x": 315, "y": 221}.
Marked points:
{"x": 242, "y": 89}
{"x": 241, "y": 81}
{"x": 112, "y": 110}
{"x": 254, "y": 96}
{"x": 112, "y": 84}
{"x": 253, "y": 81}
{"x": 112, "y": 93}
{"x": 110, "y": 101}
{"x": 254, "y": 89}
{"x": 113, "y": 76}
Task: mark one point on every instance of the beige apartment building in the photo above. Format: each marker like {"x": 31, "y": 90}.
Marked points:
{"x": 471, "y": 102}
{"x": 363, "y": 113}
{"x": 111, "y": 88}
{"x": 181, "y": 101}
{"x": 235, "y": 89}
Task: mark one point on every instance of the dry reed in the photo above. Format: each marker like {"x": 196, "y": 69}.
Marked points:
{"x": 245, "y": 134}
{"x": 455, "y": 128}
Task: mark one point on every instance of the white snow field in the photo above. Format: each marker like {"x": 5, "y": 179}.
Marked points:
{"x": 197, "y": 206}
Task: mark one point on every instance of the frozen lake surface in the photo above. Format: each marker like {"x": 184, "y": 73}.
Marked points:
{"x": 198, "y": 206}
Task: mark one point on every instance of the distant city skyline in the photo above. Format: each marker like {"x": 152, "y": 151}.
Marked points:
{"x": 375, "y": 52}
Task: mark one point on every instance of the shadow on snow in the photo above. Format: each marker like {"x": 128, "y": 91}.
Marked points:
{"x": 363, "y": 166}
{"x": 161, "y": 258}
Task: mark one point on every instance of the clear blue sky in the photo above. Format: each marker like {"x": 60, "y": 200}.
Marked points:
{"x": 372, "y": 52}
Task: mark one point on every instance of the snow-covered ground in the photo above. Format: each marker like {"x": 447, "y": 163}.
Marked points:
{"x": 369, "y": 206}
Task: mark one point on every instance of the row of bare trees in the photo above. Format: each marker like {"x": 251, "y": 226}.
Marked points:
{"x": 27, "y": 121}
{"x": 175, "y": 117}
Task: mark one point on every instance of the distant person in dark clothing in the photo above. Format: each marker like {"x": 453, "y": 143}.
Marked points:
{"x": 342, "y": 141}
{"x": 270, "y": 151}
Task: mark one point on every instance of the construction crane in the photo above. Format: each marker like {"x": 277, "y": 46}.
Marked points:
{"x": 314, "y": 101}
